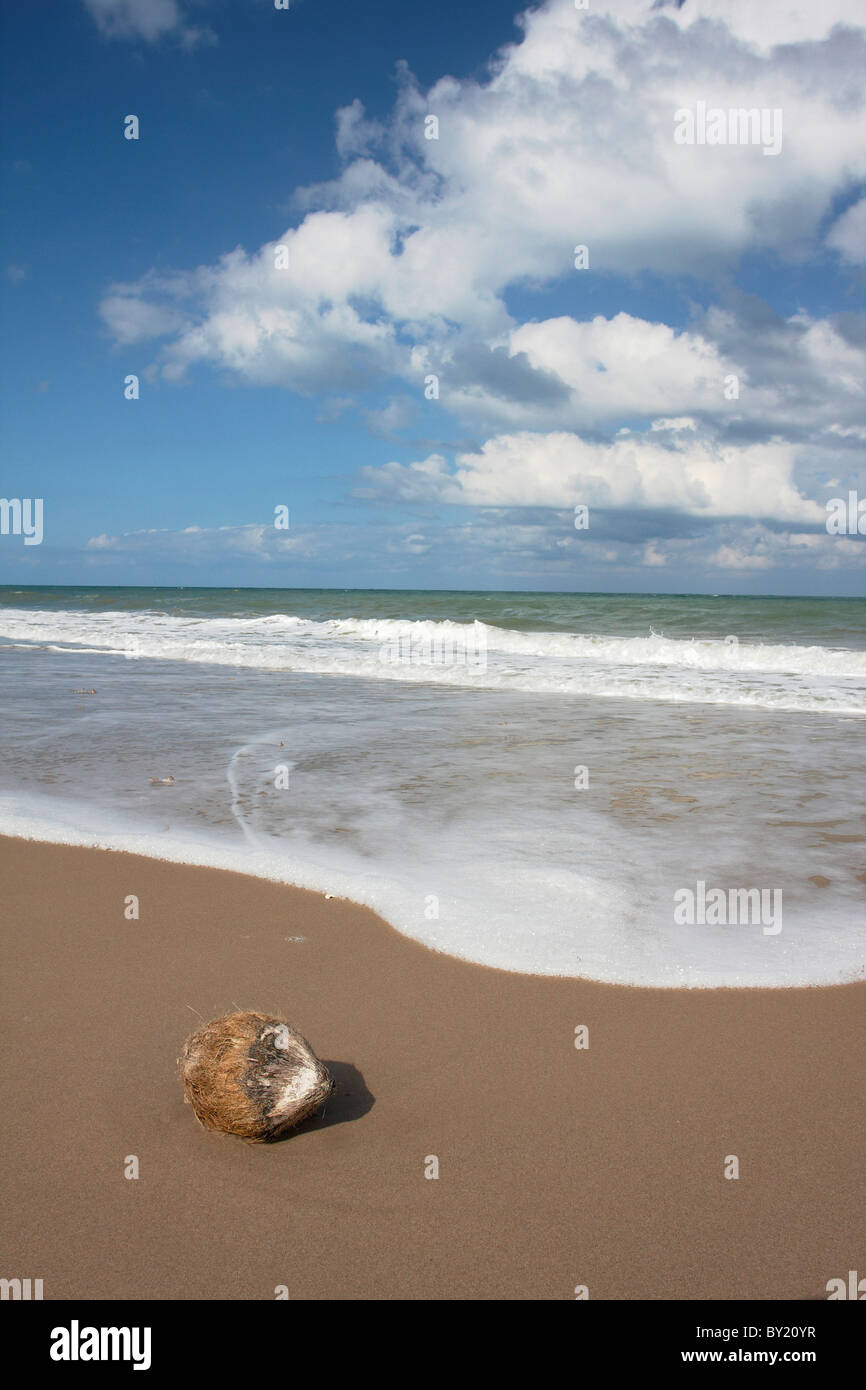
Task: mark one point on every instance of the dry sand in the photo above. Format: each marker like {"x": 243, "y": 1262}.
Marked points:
{"x": 557, "y": 1167}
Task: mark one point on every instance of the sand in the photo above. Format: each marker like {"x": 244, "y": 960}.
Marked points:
{"x": 558, "y": 1167}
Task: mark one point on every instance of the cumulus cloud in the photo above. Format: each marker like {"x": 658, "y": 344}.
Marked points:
{"x": 600, "y": 370}
{"x": 310, "y": 325}
{"x": 406, "y": 257}
{"x": 410, "y": 264}
{"x": 684, "y": 473}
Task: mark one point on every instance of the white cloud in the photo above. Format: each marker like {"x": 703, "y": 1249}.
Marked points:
{"x": 695, "y": 475}
{"x": 608, "y": 368}
{"x": 848, "y": 432}
{"x": 131, "y": 319}
{"x": 303, "y": 326}
{"x": 494, "y": 543}
{"x": 728, "y": 557}
{"x": 197, "y": 542}
{"x": 569, "y": 140}
{"x": 416, "y": 544}
{"x": 400, "y": 267}
{"x": 683, "y": 422}
{"x": 397, "y": 415}
{"x": 758, "y": 548}
{"x": 260, "y": 543}
{"x": 848, "y": 234}
{"x": 145, "y": 19}
{"x": 563, "y": 373}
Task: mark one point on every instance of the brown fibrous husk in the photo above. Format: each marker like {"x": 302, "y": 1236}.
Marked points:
{"x": 252, "y": 1074}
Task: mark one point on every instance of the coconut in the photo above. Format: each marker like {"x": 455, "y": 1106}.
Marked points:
{"x": 252, "y": 1074}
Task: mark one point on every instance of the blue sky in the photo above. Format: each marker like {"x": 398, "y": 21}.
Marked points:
{"x": 453, "y": 257}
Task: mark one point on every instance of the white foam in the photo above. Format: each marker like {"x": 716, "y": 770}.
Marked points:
{"x": 811, "y": 679}
{"x": 513, "y": 916}
{"x": 400, "y": 802}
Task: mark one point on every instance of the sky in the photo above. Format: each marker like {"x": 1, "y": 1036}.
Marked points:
{"x": 472, "y": 296}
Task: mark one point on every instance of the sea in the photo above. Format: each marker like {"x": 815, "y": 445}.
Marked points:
{"x": 550, "y": 783}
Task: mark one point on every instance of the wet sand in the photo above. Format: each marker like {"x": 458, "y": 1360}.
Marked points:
{"x": 602, "y": 1167}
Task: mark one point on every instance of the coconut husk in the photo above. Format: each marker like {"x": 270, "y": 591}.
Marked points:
{"x": 253, "y": 1075}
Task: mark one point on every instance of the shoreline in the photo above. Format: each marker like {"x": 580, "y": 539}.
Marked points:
{"x": 261, "y": 865}
{"x": 558, "y": 1166}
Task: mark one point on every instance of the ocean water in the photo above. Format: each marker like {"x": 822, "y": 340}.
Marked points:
{"x": 529, "y": 781}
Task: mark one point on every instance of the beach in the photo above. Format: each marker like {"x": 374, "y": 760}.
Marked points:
{"x": 599, "y": 1167}
{"x": 433, "y": 670}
